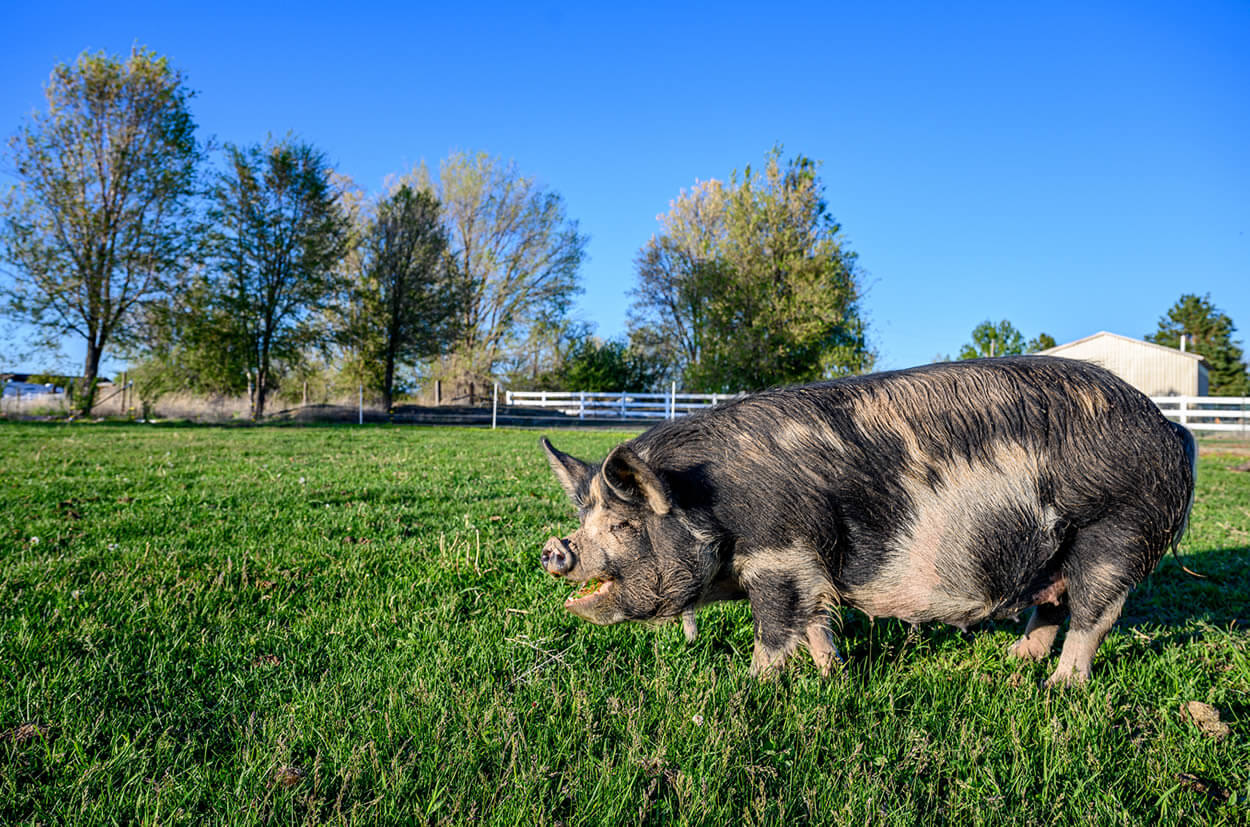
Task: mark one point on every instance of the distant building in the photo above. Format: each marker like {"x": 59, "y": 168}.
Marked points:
{"x": 21, "y": 384}
{"x": 34, "y": 384}
{"x": 1153, "y": 369}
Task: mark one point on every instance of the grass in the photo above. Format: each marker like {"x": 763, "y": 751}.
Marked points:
{"x": 288, "y": 625}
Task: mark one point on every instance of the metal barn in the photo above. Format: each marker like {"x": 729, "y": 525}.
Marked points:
{"x": 1153, "y": 369}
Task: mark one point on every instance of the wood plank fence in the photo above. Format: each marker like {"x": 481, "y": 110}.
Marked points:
{"x": 1198, "y": 413}
{"x": 1207, "y": 413}
{"x": 617, "y": 404}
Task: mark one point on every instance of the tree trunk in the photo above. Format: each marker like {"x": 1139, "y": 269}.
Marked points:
{"x": 90, "y": 373}
{"x": 258, "y": 410}
{"x": 388, "y": 381}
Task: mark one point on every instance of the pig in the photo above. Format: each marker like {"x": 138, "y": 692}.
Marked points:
{"x": 953, "y": 492}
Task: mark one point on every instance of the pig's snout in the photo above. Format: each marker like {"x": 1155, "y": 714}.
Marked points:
{"x": 557, "y": 557}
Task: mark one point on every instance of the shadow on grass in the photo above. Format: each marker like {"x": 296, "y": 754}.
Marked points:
{"x": 1218, "y": 591}
{"x": 1175, "y": 603}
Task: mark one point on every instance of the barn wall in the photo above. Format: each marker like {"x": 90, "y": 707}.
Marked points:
{"x": 1153, "y": 371}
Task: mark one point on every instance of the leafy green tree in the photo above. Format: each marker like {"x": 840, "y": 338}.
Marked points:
{"x": 280, "y": 234}
{"x": 517, "y": 250}
{"x": 409, "y": 298}
{"x": 1210, "y": 333}
{"x": 1002, "y": 339}
{"x": 1040, "y": 342}
{"x": 989, "y": 339}
{"x": 189, "y": 341}
{"x": 596, "y": 365}
{"x": 102, "y": 216}
{"x": 749, "y": 283}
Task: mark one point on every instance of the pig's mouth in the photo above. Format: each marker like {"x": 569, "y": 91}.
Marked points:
{"x": 590, "y": 593}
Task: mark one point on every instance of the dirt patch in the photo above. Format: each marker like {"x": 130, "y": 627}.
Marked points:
{"x": 1215, "y": 447}
{"x": 1206, "y": 718}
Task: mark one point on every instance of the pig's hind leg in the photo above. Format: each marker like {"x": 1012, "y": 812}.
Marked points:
{"x": 1049, "y": 610}
{"x": 1105, "y": 563}
{"x": 1039, "y": 634}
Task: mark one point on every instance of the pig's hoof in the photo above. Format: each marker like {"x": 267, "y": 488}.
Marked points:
{"x": 1066, "y": 678}
{"x": 1029, "y": 649}
{"x": 767, "y": 664}
{"x": 688, "y": 626}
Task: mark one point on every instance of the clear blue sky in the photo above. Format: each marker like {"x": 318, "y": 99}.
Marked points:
{"x": 1072, "y": 167}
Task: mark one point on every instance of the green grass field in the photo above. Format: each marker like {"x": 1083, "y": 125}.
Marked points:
{"x": 288, "y": 625}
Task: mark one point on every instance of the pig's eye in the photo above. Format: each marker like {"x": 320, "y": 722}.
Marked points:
{"x": 621, "y": 526}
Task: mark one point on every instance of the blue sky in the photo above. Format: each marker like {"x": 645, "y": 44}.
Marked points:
{"x": 1072, "y": 167}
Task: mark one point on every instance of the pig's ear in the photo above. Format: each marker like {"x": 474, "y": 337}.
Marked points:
{"x": 573, "y": 474}
{"x": 632, "y": 480}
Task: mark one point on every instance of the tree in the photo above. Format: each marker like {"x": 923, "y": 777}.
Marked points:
{"x": 1210, "y": 334}
{"x": 517, "y": 250}
{"x": 536, "y": 363}
{"x": 749, "y": 283}
{"x": 989, "y": 339}
{"x": 677, "y": 284}
{"x": 102, "y": 215}
{"x": 596, "y": 365}
{"x": 410, "y": 296}
{"x": 1040, "y": 342}
{"x": 280, "y": 233}
{"x": 190, "y": 341}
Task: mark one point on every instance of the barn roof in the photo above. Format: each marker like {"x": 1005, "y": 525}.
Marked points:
{"x": 1054, "y": 351}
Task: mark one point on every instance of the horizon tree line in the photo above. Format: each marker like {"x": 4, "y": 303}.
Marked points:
{"x": 227, "y": 269}
{"x": 268, "y": 266}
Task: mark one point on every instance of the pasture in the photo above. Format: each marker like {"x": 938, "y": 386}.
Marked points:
{"x": 331, "y": 624}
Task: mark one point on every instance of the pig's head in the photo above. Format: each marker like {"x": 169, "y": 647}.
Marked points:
{"x": 635, "y": 554}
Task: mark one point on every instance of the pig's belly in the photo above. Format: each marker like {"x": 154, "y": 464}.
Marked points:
{"x": 919, "y": 602}
{"x": 978, "y": 545}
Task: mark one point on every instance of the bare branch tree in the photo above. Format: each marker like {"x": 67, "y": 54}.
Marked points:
{"x": 102, "y": 216}
{"x": 517, "y": 250}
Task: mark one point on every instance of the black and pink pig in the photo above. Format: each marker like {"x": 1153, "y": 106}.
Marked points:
{"x": 952, "y": 492}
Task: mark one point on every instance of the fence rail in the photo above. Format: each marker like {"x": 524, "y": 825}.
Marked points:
{"x": 1207, "y": 413}
{"x": 617, "y": 404}
{"x": 1198, "y": 413}
{"x": 1230, "y": 414}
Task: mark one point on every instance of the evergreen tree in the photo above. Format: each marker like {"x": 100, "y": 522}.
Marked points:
{"x": 1210, "y": 333}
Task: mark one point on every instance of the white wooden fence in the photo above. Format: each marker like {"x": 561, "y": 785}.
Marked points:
{"x": 1207, "y": 413}
{"x": 617, "y": 404}
{"x": 1198, "y": 413}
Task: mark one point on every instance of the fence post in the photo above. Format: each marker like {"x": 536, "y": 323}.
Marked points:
{"x": 1183, "y": 408}
{"x": 622, "y": 404}
{"x": 494, "y": 410}
{"x": 438, "y": 392}
{"x": 581, "y": 404}
{"x": 360, "y": 404}
{"x": 672, "y": 401}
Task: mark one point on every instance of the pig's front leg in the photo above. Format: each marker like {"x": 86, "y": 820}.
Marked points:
{"x": 788, "y": 596}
